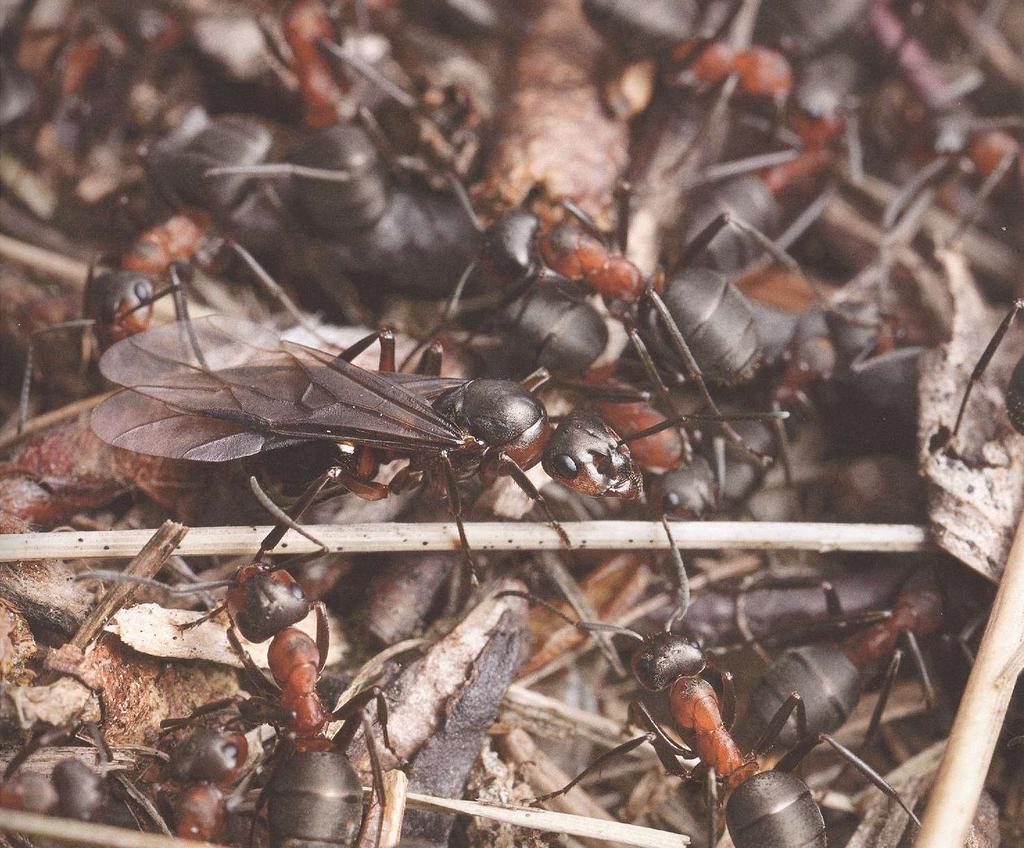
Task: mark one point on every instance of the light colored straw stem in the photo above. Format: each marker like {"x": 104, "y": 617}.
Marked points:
{"x": 979, "y": 719}
{"x": 496, "y": 536}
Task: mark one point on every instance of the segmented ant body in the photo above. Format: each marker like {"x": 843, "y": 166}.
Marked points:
{"x": 830, "y": 676}
{"x": 762, "y": 807}
{"x": 202, "y": 764}
{"x": 449, "y": 429}
{"x": 314, "y": 795}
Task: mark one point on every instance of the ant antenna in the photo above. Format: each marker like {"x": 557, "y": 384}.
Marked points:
{"x": 106, "y": 576}
{"x": 467, "y": 205}
{"x": 682, "y": 580}
{"x": 369, "y": 73}
{"x": 585, "y": 626}
{"x": 282, "y": 518}
{"x": 669, "y": 423}
{"x": 281, "y": 169}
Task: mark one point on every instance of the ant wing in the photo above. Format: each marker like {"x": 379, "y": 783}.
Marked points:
{"x": 425, "y": 387}
{"x": 144, "y": 425}
{"x": 247, "y": 377}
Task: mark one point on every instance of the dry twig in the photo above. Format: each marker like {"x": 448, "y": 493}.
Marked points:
{"x": 147, "y": 563}
{"x": 490, "y": 536}
{"x": 979, "y": 718}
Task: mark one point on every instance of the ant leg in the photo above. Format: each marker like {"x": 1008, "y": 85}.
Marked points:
{"x": 199, "y": 712}
{"x": 778, "y": 721}
{"x": 354, "y": 708}
{"x": 711, "y": 798}
{"x": 931, "y": 174}
{"x": 986, "y": 358}
{"x": 873, "y": 776}
{"x": 353, "y": 350}
{"x": 270, "y": 541}
{"x": 181, "y": 274}
{"x": 511, "y": 467}
{"x": 273, "y": 288}
{"x": 455, "y": 508}
{"x": 259, "y": 680}
{"x": 533, "y": 381}
{"x": 386, "y": 363}
{"x": 883, "y": 697}
{"x": 970, "y": 215}
{"x": 323, "y": 635}
{"x": 26, "y": 377}
{"x": 661, "y": 390}
{"x": 431, "y": 360}
{"x": 36, "y": 741}
{"x": 922, "y": 669}
{"x": 377, "y": 788}
{"x": 205, "y": 617}
{"x": 584, "y": 218}
{"x": 283, "y": 520}
{"x": 606, "y": 757}
{"x": 641, "y": 717}
{"x": 682, "y": 580}
{"x": 623, "y": 211}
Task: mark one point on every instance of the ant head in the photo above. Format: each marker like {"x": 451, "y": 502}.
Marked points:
{"x": 688, "y": 493}
{"x": 120, "y": 302}
{"x": 584, "y": 454}
{"x": 508, "y": 254}
{"x": 210, "y": 755}
{"x": 664, "y": 658}
{"x": 264, "y": 602}
{"x": 502, "y": 414}
{"x": 79, "y": 788}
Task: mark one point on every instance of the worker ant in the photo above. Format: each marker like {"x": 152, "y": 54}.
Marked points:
{"x": 116, "y": 304}
{"x": 770, "y": 807}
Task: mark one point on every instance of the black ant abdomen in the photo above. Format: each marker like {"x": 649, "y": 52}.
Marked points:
{"x": 774, "y": 809}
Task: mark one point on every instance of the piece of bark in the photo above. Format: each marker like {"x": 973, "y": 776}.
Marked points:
{"x": 555, "y": 133}
{"x": 60, "y": 703}
{"x": 492, "y": 781}
{"x": 443, "y": 705}
{"x": 976, "y": 481}
{"x": 43, "y": 760}
{"x": 138, "y": 692}
{"x": 403, "y": 592}
{"x": 17, "y": 644}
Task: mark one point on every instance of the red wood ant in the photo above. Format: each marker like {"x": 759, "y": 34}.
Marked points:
{"x": 72, "y": 790}
{"x": 116, "y": 304}
{"x": 313, "y": 793}
{"x": 305, "y": 24}
{"x": 830, "y": 676}
{"x": 203, "y": 763}
{"x": 763, "y": 808}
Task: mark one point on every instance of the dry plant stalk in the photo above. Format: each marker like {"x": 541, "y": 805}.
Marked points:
{"x": 484, "y": 536}
{"x": 147, "y": 563}
{"x": 982, "y": 710}
{"x": 396, "y": 786}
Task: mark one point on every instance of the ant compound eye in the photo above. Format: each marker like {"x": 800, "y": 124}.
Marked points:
{"x": 143, "y": 291}
{"x": 565, "y": 466}
{"x": 670, "y": 500}
{"x": 297, "y": 592}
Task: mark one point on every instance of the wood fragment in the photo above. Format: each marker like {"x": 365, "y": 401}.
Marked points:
{"x": 76, "y": 832}
{"x": 147, "y": 563}
{"x": 976, "y": 483}
{"x": 44, "y": 261}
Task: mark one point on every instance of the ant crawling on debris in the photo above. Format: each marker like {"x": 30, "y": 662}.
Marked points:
{"x": 764, "y": 808}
